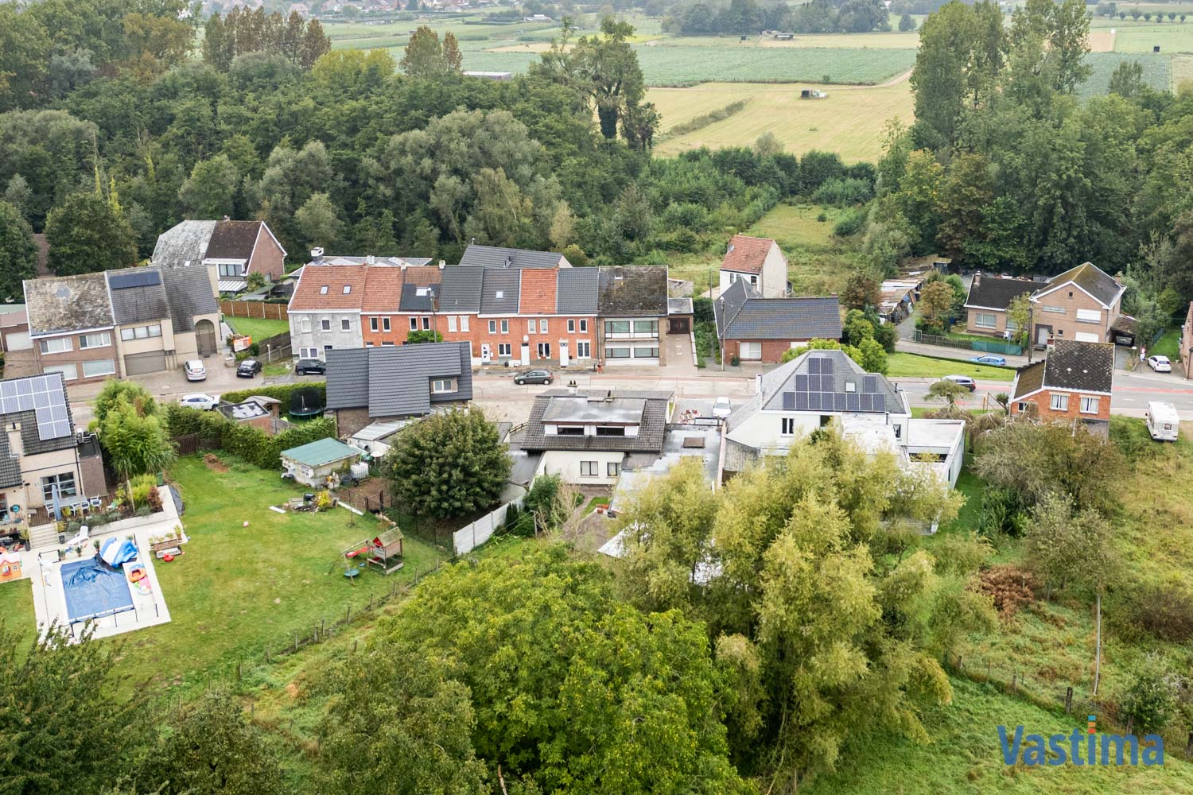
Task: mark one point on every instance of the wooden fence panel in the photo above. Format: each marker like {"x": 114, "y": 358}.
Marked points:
{"x": 254, "y": 309}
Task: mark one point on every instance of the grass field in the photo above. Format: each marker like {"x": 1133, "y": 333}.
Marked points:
{"x": 16, "y": 610}
{"x": 1171, "y": 38}
{"x": 257, "y": 328}
{"x": 1157, "y": 71}
{"x": 238, "y": 588}
{"x": 1169, "y": 345}
{"x": 964, "y": 756}
{"x": 799, "y": 124}
{"x": 911, "y": 365}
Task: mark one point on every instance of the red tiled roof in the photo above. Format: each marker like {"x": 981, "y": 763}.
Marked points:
{"x": 538, "y": 292}
{"x": 309, "y": 295}
{"x": 383, "y": 289}
{"x": 746, "y": 254}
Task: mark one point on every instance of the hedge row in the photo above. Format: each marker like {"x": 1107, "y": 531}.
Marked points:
{"x": 280, "y": 392}
{"x": 245, "y": 441}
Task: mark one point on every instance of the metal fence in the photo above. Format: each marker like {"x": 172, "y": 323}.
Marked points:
{"x": 983, "y": 346}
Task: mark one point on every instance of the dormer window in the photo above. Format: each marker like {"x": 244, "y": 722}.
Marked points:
{"x": 323, "y": 290}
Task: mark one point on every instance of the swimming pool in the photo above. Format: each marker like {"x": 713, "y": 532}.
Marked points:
{"x": 94, "y": 590}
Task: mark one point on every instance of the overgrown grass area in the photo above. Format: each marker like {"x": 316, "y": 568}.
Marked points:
{"x": 250, "y": 576}
{"x": 16, "y": 609}
{"x": 964, "y": 756}
{"x": 1168, "y": 345}
{"x": 912, "y": 365}
{"x": 257, "y": 328}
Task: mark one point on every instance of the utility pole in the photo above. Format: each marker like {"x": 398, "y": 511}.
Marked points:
{"x": 1030, "y": 335}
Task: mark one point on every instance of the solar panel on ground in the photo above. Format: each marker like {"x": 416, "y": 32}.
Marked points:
{"x": 124, "y": 281}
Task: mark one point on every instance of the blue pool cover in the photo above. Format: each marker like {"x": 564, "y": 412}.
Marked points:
{"x": 94, "y": 590}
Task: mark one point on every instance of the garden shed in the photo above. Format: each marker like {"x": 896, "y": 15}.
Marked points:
{"x": 312, "y": 464}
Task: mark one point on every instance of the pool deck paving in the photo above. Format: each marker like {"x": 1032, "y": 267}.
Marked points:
{"x": 44, "y": 570}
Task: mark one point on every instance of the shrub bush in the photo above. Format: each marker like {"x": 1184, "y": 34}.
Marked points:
{"x": 281, "y": 392}
{"x": 1132, "y": 438}
{"x": 850, "y": 223}
{"x": 1163, "y": 611}
{"x": 1009, "y": 587}
{"x": 844, "y": 192}
{"x": 254, "y": 446}
{"x": 1003, "y": 513}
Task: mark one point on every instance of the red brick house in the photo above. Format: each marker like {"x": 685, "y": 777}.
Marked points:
{"x": 231, "y": 250}
{"x": 1073, "y": 384}
{"x": 756, "y": 329}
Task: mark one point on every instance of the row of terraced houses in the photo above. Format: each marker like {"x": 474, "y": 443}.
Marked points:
{"x": 510, "y": 306}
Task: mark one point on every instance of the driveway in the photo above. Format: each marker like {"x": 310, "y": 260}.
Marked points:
{"x": 680, "y": 361}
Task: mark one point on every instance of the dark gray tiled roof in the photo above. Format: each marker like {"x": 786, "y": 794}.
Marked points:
{"x": 183, "y": 244}
{"x": 31, "y": 440}
{"x": 1028, "y": 379}
{"x": 461, "y": 286}
{"x": 67, "y": 303}
{"x": 400, "y": 377}
{"x": 347, "y": 378}
{"x": 1080, "y": 366}
{"x": 141, "y": 304}
{"x": 10, "y": 465}
{"x": 233, "y": 239}
{"x": 1092, "y": 279}
{"x": 188, "y": 292}
{"x": 650, "y": 434}
{"x": 497, "y": 257}
{"x": 991, "y": 292}
{"x": 577, "y": 291}
{"x": 411, "y": 301}
{"x": 633, "y": 291}
{"x": 505, "y": 282}
{"x": 396, "y": 381}
{"x": 741, "y": 314}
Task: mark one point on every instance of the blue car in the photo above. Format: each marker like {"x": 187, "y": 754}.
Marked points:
{"x": 995, "y": 360}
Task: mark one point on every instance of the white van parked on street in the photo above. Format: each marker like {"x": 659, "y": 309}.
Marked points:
{"x": 1163, "y": 423}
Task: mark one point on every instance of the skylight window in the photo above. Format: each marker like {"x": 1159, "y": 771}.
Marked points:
{"x": 347, "y": 289}
{"x": 323, "y": 290}
{"x": 501, "y": 293}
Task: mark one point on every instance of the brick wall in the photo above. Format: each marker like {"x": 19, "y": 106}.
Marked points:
{"x": 1065, "y": 326}
{"x": 772, "y": 350}
{"x": 77, "y": 356}
{"x": 1000, "y": 322}
{"x": 349, "y": 421}
{"x": 268, "y": 258}
{"x": 478, "y": 333}
{"x": 1043, "y": 407}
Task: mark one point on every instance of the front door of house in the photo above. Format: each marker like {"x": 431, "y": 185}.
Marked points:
{"x": 1043, "y": 334}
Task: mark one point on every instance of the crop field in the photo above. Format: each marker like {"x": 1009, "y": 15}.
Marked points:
{"x": 1157, "y": 71}
{"x": 882, "y": 41}
{"x": 1170, "y": 38}
{"x": 849, "y": 122}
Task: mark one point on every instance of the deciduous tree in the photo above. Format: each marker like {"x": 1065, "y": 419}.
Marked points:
{"x": 17, "y": 251}
{"x": 88, "y": 234}
{"x": 447, "y": 465}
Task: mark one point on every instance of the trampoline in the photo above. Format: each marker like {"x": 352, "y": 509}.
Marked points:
{"x": 94, "y": 590}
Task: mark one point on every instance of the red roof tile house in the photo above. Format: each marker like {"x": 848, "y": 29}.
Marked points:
{"x": 759, "y": 262}
{"x": 1072, "y": 385}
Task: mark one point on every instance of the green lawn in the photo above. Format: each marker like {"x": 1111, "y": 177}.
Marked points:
{"x": 16, "y": 609}
{"x": 257, "y": 328}
{"x": 1169, "y": 345}
{"x": 911, "y": 365}
{"x": 238, "y": 588}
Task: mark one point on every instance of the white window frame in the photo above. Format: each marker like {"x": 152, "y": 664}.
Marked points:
{"x": 413, "y": 323}
{"x": 505, "y": 327}
{"x": 325, "y": 324}
{"x": 571, "y": 327}
{"x": 615, "y": 352}
{"x": 1089, "y": 316}
{"x": 531, "y": 327}
{"x": 385, "y": 324}
{"x": 451, "y": 322}
{"x": 70, "y": 371}
{"x": 373, "y": 324}
{"x": 86, "y": 344}
{"x": 543, "y": 350}
{"x": 583, "y": 326}
{"x": 492, "y": 326}
{"x": 1089, "y": 404}
{"x": 612, "y": 469}
{"x": 985, "y": 320}
{"x": 583, "y": 349}
{"x": 504, "y": 349}
{"x": 55, "y": 345}
{"x": 308, "y": 353}
{"x": 1055, "y": 310}
{"x": 440, "y": 386}
{"x": 345, "y": 324}
{"x": 463, "y": 322}
{"x": 304, "y": 324}
{"x": 110, "y": 368}
{"x": 787, "y": 427}
{"x": 1058, "y": 401}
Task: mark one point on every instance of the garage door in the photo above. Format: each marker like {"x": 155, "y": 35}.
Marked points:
{"x": 141, "y": 363}
{"x": 1085, "y": 336}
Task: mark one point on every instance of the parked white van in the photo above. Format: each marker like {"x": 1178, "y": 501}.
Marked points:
{"x": 1162, "y": 421}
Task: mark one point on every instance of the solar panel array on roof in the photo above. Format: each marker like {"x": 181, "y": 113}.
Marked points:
{"x": 788, "y": 401}
{"x": 42, "y": 395}
{"x": 123, "y": 281}
{"x": 817, "y": 390}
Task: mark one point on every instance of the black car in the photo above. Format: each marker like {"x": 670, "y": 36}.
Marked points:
{"x": 533, "y": 377}
{"x": 248, "y": 368}
{"x": 310, "y": 367}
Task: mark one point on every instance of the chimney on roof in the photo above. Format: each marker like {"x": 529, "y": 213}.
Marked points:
{"x": 509, "y": 260}
{"x": 370, "y": 260}
{"x": 618, "y": 273}
{"x": 316, "y": 254}
{"x": 572, "y": 388}
{"x": 15, "y": 447}
{"x": 405, "y": 265}
{"x": 977, "y": 278}
{"x": 729, "y": 248}
{"x": 442, "y": 264}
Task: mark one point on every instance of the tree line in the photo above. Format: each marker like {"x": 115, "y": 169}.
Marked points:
{"x": 357, "y": 154}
